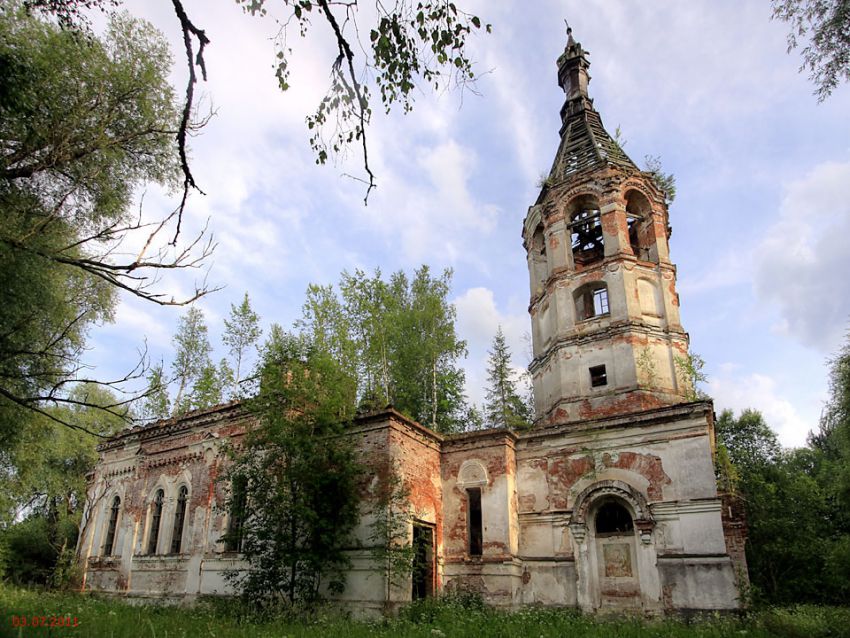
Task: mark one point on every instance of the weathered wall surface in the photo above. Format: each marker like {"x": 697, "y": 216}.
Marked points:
{"x": 659, "y": 465}
{"x": 189, "y": 452}
{"x": 134, "y": 466}
{"x": 540, "y": 491}
{"x": 487, "y": 461}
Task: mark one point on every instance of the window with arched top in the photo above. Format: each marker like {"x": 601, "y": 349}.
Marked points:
{"x": 156, "y": 519}
{"x": 179, "y": 520}
{"x": 612, "y": 518}
{"x": 109, "y": 541}
{"x": 588, "y": 242}
{"x": 539, "y": 263}
{"x": 238, "y": 512}
{"x": 591, "y": 300}
{"x": 475, "y": 527}
{"x": 639, "y": 221}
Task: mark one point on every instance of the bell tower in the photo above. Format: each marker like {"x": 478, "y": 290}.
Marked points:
{"x": 606, "y": 333}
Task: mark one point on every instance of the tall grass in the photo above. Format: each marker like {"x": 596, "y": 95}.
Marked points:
{"x": 449, "y": 618}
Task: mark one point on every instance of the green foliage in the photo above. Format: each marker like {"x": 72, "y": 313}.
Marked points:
{"x": 242, "y": 332}
{"x": 690, "y": 375}
{"x": 748, "y": 440}
{"x": 825, "y": 26}
{"x": 647, "y": 370}
{"x": 410, "y": 44}
{"x": 504, "y": 408}
{"x": 43, "y": 480}
{"x": 31, "y": 554}
{"x": 397, "y": 338}
{"x": 390, "y": 528}
{"x": 191, "y": 359}
{"x": 84, "y": 123}
{"x": 210, "y": 385}
{"x": 457, "y": 617}
{"x": 45, "y": 470}
{"x": 156, "y": 404}
{"x": 666, "y": 182}
{"x": 473, "y": 420}
{"x": 302, "y": 476}
{"x": 798, "y": 539}
{"x": 833, "y": 436}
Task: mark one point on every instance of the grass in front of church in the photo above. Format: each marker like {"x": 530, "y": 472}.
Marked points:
{"x": 38, "y": 613}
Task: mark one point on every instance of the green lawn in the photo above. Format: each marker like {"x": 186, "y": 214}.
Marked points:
{"x": 110, "y": 619}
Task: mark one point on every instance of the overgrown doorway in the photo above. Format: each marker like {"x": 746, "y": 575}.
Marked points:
{"x": 424, "y": 568}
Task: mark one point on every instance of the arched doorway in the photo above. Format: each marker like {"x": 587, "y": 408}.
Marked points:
{"x": 616, "y": 564}
{"x": 616, "y": 555}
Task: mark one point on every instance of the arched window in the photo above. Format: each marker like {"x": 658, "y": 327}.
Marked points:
{"x": 586, "y": 232}
{"x": 639, "y": 220}
{"x": 109, "y": 541}
{"x": 476, "y": 540}
{"x": 613, "y": 518}
{"x": 539, "y": 263}
{"x": 591, "y": 300}
{"x": 238, "y": 512}
{"x": 156, "y": 519}
{"x": 179, "y": 519}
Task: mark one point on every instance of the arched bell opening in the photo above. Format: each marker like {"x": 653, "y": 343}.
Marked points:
{"x": 586, "y": 236}
{"x": 641, "y": 229}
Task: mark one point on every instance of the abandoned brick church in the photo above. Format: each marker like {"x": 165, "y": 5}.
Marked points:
{"x": 608, "y": 502}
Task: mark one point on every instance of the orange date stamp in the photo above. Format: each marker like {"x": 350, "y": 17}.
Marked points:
{"x": 45, "y": 621}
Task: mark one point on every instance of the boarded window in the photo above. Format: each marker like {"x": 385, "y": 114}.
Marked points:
{"x": 156, "y": 519}
{"x": 476, "y": 543}
{"x": 598, "y": 376}
{"x": 109, "y": 542}
{"x": 179, "y": 519}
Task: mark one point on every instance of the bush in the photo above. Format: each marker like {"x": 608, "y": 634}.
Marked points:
{"x": 30, "y": 557}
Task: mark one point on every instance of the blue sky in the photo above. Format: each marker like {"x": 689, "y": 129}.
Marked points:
{"x": 760, "y": 222}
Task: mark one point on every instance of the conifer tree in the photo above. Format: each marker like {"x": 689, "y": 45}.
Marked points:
{"x": 504, "y": 407}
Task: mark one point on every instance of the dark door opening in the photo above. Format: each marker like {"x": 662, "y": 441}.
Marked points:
{"x": 423, "y": 561}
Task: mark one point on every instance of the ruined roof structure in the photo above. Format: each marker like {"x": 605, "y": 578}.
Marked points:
{"x": 608, "y": 503}
{"x": 584, "y": 141}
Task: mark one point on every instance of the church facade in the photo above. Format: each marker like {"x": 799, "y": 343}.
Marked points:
{"x": 608, "y": 502}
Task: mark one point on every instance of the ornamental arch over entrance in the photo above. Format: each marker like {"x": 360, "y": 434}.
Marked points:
{"x": 615, "y": 555}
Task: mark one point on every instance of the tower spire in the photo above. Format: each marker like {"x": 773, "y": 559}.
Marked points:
{"x": 572, "y": 68}
{"x": 604, "y": 309}
{"x": 585, "y": 143}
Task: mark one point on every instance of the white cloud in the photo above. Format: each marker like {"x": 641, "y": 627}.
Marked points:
{"x": 803, "y": 262}
{"x": 478, "y": 318}
{"x": 737, "y": 390}
{"x": 432, "y": 210}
